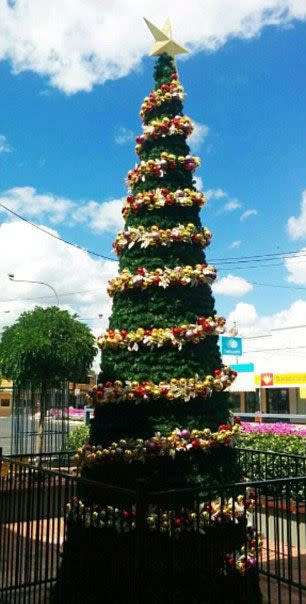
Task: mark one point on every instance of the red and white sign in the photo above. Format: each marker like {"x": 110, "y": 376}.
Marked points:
{"x": 266, "y": 379}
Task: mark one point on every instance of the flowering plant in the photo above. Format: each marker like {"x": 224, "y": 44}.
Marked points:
{"x": 156, "y": 236}
{"x": 165, "y": 126}
{"x": 180, "y": 275}
{"x": 160, "y": 198}
{"x": 175, "y": 336}
{"x": 279, "y": 429}
{"x": 183, "y": 388}
{"x": 160, "y": 167}
{"x": 71, "y": 413}
{"x": 166, "y": 93}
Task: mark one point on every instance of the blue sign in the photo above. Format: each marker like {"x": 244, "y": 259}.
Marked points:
{"x": 243, "y": 367}
{"x": 231, "y": 345}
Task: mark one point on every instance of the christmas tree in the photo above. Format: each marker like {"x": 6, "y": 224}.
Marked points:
{"x": 161, "y": 368}
{"x": 161, "y": 399}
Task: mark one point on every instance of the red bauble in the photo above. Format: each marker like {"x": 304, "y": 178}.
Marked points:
{"x": 195, "y": 444}
{"x": 176, "y": 331}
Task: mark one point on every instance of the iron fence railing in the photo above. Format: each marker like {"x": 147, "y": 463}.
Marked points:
{"x": 67, "y": 539}
{"x": 39, "y": 422}
{"x": 267, "y": 465}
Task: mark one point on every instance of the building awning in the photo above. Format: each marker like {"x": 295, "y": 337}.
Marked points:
{"x": 244, "y": 382}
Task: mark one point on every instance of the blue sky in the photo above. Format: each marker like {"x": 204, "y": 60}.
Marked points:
{"x": 251, "y": 96}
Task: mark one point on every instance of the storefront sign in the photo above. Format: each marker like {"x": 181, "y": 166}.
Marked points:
{"x": 266, "y": 379}
{"x": 243, "y": 367}
{"x": 231, "y": 346}
{"x": 280, "y": 379}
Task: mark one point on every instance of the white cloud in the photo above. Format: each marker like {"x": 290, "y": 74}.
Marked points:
{"x": 215, "y": 194}
{"x": 231, "y": 205}
{"x": 250, "y": 323}
{"x": 247, "y": 214}
{"x": 198, "y": 136}
{"x": 123, "y": 136}
{"x": 101, "y": 217}
{"x": 297, "y": 226}
{"x": 4, "y": 146}
{"x": 105, "y": 216}
{"x": 245, "y": 316}
{"x": 36, "y": 256}
{"x": 26, "y": 199}
{"x": 235, "y": 244}
{"x": 296, "y": 267}
{"x": 78, "y": 44}
{"x": 232, "y": 286}
{"x": 198, "y": 183}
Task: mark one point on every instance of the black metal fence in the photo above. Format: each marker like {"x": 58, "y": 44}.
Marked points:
{"x": 39, "y": 418}
{"x": 62, "y": 537}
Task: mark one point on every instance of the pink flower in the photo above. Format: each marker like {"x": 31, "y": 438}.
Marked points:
{"x": 279, "y": 429}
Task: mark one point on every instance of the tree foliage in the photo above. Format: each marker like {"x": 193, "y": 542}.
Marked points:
{"x": 158, "y": 307}
{"x": 46, "y": 345}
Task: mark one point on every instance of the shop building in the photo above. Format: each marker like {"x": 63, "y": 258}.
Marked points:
{"x": 77, "y": 394}
{"x": 271, "y": 373}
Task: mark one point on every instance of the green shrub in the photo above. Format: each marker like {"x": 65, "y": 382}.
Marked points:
{"x": 78, "y": 437}
{"x": 271, "y": 442}
{"x": 266, "y": 466}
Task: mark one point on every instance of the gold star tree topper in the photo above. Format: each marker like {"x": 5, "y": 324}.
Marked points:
{"x": 164, "y": 42}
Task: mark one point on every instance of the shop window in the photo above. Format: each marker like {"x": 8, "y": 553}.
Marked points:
{"x": 301, "y": 401}
{"x": 277, "y": 400}
{"x": 5, "y": 402}
{"x": 234, "y": 399}
{"x": 252, "y": 402}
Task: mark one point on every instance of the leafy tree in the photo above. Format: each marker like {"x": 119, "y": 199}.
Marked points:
{"x": 45, "y": 347}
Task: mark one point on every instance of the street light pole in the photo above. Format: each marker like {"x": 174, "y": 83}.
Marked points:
{"x": 12, "y": 278}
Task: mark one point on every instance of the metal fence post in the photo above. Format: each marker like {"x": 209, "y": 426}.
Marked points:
{"x": 87, "y": 417}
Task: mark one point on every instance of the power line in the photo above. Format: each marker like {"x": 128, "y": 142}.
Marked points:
{"x": 36, "y": 226}
{"x": 277, "y": 286}
{"x": 272, "y": 255}
{"x": 62, "y": 294}
{"x": 86, "y": 291}
{"x": 233, "y": 262}
{"x": 274, "y": 349}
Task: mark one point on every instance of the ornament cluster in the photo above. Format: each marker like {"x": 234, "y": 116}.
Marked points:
{"x": 179, "y": 441}
{"x": 180, "y": 275}
{"x": 179, "y": 125}
{"x": 182, "y": 389}
{"x": 167, "y": 93}
{"x": 155, "y": 236}
{"x": 173, "y": 522}
{"x": 160, "y": 167}
{"x": 155, "y": 338}
{"x": 161, "y": 198}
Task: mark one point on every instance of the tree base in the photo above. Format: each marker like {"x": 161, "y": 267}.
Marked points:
{"x": 100, "y": 567}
